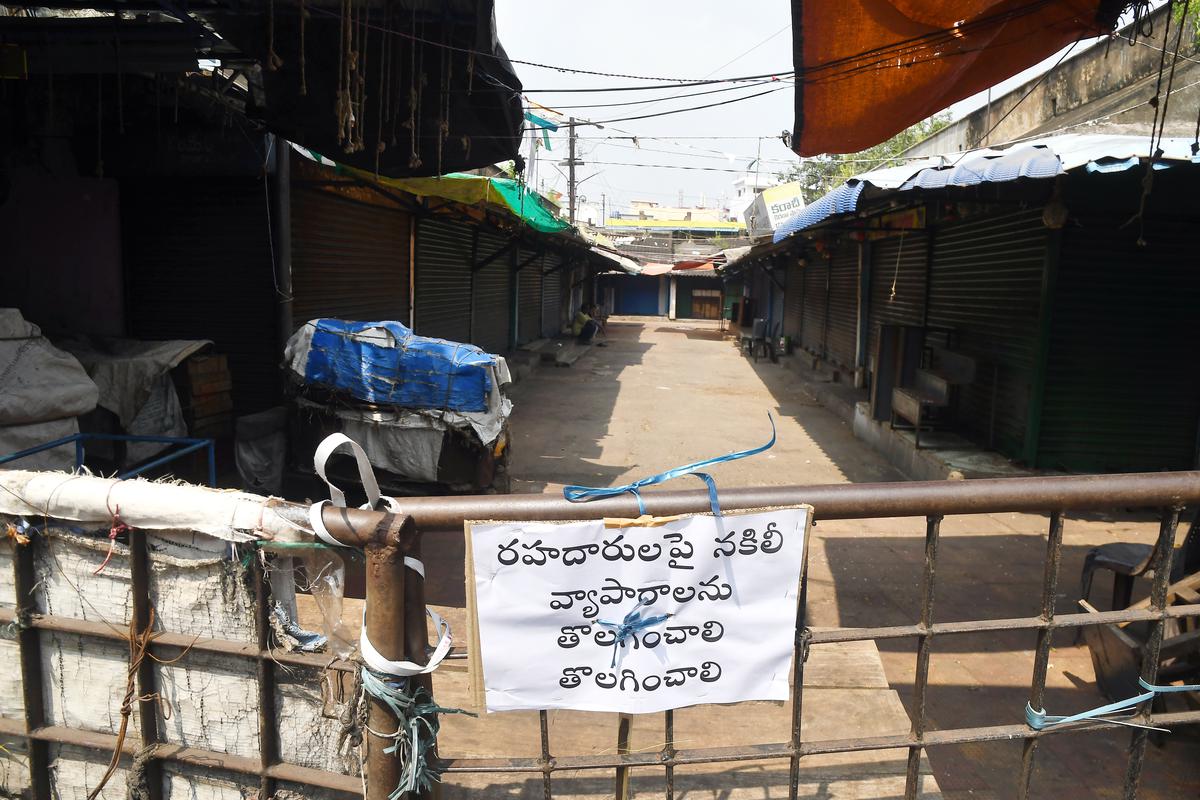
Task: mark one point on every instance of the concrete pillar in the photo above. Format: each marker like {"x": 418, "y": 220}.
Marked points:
{"x": 671, "y": 297}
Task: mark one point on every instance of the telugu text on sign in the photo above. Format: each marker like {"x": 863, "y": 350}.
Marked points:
{"x": 637, "y": 619}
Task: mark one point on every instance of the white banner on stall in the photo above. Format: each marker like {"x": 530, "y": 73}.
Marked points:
{"x": 636, "y": 619}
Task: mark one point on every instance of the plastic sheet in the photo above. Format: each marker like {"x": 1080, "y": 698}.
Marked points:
{"x": 386, "y": 363}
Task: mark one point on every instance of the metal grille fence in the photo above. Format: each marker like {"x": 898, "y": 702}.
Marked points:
{"x": 395, "y": 623}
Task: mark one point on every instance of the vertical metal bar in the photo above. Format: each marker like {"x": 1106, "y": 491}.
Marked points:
{"x": 78, "y": 453}
{"x": 386, "y": 630}
{"x": 622, "y": 787}
{"x": 212, "y": 464}
{"x": 268, "y": 726}
{"x": 147, "y": 676}
{"x": 933, "y": 525}
{"x": 668, "y": 751}
{"x": 547, "y": 761}
{"x": 416, "y": 634}
{"x": 799, "y": 656}
{"x": 1164, "y": 554}
{"x": 29, "y": 641}
{"x": 1041, "y": 657}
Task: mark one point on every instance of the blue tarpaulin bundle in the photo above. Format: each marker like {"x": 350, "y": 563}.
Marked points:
{"x": 386, "y": 363}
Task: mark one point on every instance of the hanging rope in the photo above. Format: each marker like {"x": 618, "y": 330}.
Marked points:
{"x": 1158, "y": 126}
{"x": 896, "y": 275}
{"x": 274, "y": 62}
{"x": 303, "y": 68}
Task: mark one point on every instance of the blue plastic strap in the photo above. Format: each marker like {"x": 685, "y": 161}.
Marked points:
{"x": 1038, "y": 720}
{"x": 1150, "y": 687}
{"x": 633, "y": 622}
{"x": 582, "y": 494}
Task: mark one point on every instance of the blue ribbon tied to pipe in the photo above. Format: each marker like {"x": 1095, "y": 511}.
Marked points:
{"x": 582, "y": 494}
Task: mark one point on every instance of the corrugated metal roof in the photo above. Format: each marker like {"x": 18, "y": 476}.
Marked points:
{"x": 1046, "y": 157}
{"x": 841, "y": 200}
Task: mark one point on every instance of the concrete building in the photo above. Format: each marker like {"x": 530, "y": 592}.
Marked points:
{"x": 1105, "y": 88}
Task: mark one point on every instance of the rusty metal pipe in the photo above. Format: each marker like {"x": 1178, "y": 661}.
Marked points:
{"x": 842, "y": 501}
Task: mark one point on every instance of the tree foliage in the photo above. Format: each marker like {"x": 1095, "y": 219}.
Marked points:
{"x": 821, "y": 174}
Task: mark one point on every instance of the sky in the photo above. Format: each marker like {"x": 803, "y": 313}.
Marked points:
{"x": 668, "y": 39}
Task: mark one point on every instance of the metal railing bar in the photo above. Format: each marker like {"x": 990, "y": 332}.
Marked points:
{"x": 1079, "y": 620}
{"x": 912, "y": 776}
{"x": 32, "y": 685}
{"x": 778, "y": 750}
{"x": 1041, "y": 657}
{"x": 668, "y": 752}
{"x": 799, "y": 658}
{"x": 147, "y": 675}
{"x": 547, "y": 760}
{"x": 176, "y": 641}
{"x": 192, "y": 756}
{"x": 268, "y": 715}
{"x": 781, "y": 750}
{"x": 840, "y": 501}
{"x": 1164, "y": 553}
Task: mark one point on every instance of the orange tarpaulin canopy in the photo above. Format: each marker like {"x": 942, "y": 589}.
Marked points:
{"x": 867, "y": 69}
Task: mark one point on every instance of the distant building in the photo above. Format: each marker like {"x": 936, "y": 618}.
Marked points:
{"x": 745, "y": 189}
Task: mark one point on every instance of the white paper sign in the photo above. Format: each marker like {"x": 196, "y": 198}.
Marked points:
{"x": 708, "y": 607}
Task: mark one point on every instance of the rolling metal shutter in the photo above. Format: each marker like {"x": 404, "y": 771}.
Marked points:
{"x": 552, "y": 295}
{"x": 793, "y": 301}
{"x": 492, "y": 311}
{"x": 843, "y": 305}
{"x": 985, "y": 287}
{"x": 812, "y": 333}
{"x": 897, "y": 284}
{"x": 197, "y": 255}
{"x": 1122, "y": 393}
{"x": 443, "y": 277}
{"x": 349, "y": 259}
{"x": 529, "y": 310}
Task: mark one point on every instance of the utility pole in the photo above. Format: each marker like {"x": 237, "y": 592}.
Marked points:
{"x": 571, "y": 171}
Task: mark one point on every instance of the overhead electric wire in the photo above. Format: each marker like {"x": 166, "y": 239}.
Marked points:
{"x": 554, "y": 67}
{"x": 670, "y": 97}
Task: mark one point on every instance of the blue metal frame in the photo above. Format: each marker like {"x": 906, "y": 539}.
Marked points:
{"x": 190, "y": 446}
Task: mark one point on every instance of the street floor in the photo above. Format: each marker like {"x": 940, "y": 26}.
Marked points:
{"x": 662, "y": 394}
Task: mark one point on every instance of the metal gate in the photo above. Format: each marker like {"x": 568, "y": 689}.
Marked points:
{"x": 843, "y": 305}
{"x": 793, "y": 301}
{"x": 985, "y": 285}
{"x": 349, "y": 258}
{"x": 491, "y": 310}
{"x": 897, "y": 296}
{"x": 815, "y": 301}
{"x": 397, "y": 628}
{"x": 551, "y": 267}
{"x": 529, "y": 291}
{"x": 443, "y": 278}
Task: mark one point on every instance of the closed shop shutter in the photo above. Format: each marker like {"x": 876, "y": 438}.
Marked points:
{"x": 492, "y": 300}
{"x": 443, "y": 273}
{"x": 529, "y": 314}
{"x": 349, "y": 259}
{"x": 637, "y": 295}
{"x": 793, "y": 303}
{"x": 897, "y": 284}
{"x": 812, "y": 334}
{"x": 552, "y": 295}
{"x": 843, "y": 305}
{"x": 985, "y": 288}
{"x": 1122, "y": 393}
{"x": 198, "y": 266}
{"x": 683, "y": 299}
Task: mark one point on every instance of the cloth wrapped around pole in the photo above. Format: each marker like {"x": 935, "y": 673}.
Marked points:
{"x": 387, "y": 364}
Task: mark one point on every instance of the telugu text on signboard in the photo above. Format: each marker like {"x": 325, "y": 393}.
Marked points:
{"x": 640, "y": 618}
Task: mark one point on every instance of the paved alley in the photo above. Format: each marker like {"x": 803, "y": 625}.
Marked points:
{"x": 663, "y": 394}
